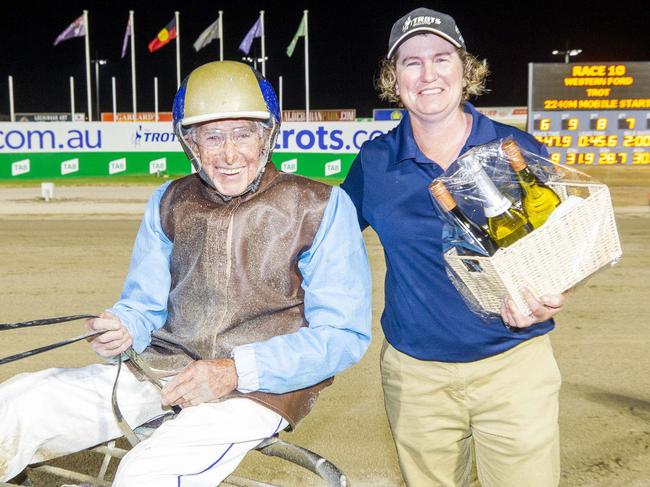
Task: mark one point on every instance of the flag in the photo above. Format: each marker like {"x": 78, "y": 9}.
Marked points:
{"x": 207, "y": 36}
{"x": 256, "y": 31}
{"x": 125, "y": 42}
{"x": 164, "y": 37}
{"x": 75, "y": 29}
{"x": 299, "y": 33}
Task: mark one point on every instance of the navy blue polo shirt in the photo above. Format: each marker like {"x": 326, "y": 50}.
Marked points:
{"x": 424, "y": 315}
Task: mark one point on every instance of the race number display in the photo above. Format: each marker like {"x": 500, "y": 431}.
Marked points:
{"x": 591, "y": 113}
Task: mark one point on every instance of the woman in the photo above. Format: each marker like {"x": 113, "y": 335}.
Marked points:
{"x": 449, "y": 378}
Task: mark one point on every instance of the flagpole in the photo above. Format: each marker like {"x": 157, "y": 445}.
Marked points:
{"x": 133, "y": 85}
{"x": 12, "y": 114}
{"x": 263, "y": 45}
{"x": 155, "y": 96}
{"x": 178, "y": 50}
{"x": 305, "y": 13}
{"x": 220, "y": 35}
{"x": 114, "y": 99}
{"x": 71, "y": 99}
{"x": 88, "y": 90}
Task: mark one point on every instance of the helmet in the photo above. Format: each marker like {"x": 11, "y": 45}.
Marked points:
{"x": 225, "y": 90}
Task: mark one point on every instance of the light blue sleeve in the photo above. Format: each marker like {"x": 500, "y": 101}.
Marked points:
{"x": 142, "y": 307}
{"x": 337, "y": 285}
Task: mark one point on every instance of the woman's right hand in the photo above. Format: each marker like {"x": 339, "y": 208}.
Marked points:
{"x": 542, "y": 309}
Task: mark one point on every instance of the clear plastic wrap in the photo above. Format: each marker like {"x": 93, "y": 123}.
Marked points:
{"x": 548, "y": 240}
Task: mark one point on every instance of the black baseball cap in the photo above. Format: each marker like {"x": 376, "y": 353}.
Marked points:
{"x": 420, "y": 21}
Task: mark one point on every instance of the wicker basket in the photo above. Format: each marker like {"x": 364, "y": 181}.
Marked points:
{"x": 549, "y": 260}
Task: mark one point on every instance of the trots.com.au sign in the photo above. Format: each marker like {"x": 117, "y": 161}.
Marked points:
{"x": 50, "y": 150}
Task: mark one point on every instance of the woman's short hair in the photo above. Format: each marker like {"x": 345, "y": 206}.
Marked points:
{"x": 475, "y": 73}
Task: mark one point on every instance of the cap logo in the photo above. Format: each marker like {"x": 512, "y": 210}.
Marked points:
{"x": 460, "y": 37}
{"x": 419, "y": 21}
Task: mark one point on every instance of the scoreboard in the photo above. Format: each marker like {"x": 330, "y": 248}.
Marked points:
{"x": 592, "y": 113}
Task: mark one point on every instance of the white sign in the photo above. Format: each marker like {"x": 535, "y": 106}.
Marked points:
{"x": 118, "y": 165}
{"x": 47, "y": 191}
{"x": 20, "y": 167}
{"x": 50, "y": 137}
{"x": 69, "y": 166}
{"x": 333, "y": 167}
{"x": 158, "y": 165}
{"x": 289, "y": 166}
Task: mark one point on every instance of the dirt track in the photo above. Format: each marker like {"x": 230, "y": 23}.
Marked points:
{"x": 70, "y": 256}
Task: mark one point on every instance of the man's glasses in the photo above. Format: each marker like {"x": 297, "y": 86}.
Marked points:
{"x": 216, "y": 139}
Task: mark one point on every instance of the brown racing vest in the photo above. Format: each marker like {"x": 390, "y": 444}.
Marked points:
{"x": 234, "y": 274}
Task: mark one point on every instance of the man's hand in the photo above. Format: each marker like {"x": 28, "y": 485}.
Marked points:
{"x": 541, "y": 310}
{"x": 201, "y": 381}
{"x": 114, "y": 341}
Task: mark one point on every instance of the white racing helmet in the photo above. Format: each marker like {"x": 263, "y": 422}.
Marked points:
{"x": 225, "y": 90}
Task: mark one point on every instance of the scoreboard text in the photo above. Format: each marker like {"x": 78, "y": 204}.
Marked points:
{"x": 591, "y": 113}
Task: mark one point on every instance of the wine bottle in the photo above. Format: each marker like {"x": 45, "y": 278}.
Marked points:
{"x": 539, "y": 201}
{"x": 473, "y": 232}
{"x": 506, "y": 224}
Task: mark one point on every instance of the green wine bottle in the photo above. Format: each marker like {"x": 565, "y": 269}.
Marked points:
{"x": 474, "y": 233}
{"x": 506, "y": 224}
{"x": 539, "y": 201}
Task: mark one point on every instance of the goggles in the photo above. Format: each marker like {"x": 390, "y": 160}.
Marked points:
{"x": 215, "y": 139}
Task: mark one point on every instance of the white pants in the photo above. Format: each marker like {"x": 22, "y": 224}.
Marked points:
{"x": 60, "y": 411}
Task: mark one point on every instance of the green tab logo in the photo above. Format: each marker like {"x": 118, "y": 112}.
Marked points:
{"x": 70, "y": 166}
{"x": 118, "y": 165}
{"x": 20, "y": 167}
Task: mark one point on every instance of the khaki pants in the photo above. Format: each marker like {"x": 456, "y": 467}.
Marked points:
{"x": 506, "y": 404}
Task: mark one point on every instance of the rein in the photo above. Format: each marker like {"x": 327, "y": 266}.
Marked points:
{"x": 130, "y": 353}
{"x": 52, "y": 346}
{"x": 46, "y": 321}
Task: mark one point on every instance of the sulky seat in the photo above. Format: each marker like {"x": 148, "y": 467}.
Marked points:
{"x": 273, "y": 446}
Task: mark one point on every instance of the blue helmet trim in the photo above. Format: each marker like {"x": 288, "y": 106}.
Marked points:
{"x": 178, "y": 109}
{"x": 270, "y": 98}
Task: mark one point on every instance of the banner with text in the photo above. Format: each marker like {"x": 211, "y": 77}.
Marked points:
{"x": 59, "y": 150}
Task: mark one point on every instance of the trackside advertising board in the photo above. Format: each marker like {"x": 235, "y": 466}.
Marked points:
{"x": 64, "y": 150}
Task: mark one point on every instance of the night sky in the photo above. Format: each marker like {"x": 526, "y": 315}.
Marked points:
{"x": 346, "y": 40}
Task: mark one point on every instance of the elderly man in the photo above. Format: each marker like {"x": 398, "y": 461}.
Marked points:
{"x": 248, "y": 290}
